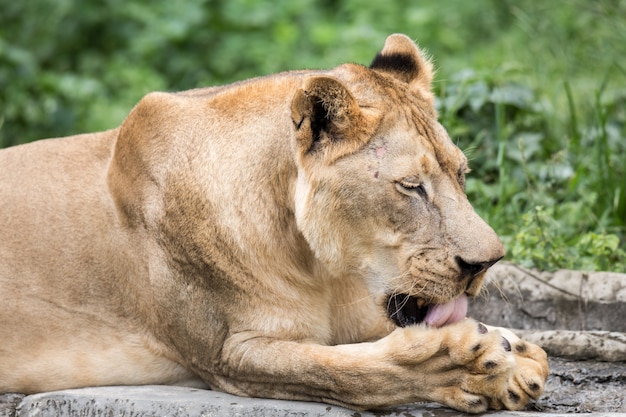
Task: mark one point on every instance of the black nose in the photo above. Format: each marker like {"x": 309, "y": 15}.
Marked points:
{"x": 474, "y": 268}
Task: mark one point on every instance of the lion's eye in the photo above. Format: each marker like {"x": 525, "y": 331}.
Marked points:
{"x": 461, "y": 179}
{"x": 460, "y": 176}
{"x": 412, "y": 188}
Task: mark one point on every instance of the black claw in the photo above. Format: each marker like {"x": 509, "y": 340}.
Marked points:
{"x": 477, "y": 403}
{"x": 506, "y": 344}
{"x": 513, "y": 396}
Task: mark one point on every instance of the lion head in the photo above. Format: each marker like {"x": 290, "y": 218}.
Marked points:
{"x": 380, "y": 188}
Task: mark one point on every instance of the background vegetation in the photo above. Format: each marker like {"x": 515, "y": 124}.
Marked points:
{"x": 534, "y": 92}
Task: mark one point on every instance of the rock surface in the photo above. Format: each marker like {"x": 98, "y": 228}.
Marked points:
{"x": 518, "y": 298}
{"x": 579, "y": 345}
{"x": 584, "y": 387}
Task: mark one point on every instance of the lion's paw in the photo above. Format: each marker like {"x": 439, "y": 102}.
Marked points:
{"x": 469, "y": 366}
{"x": 479, "y": 366}
{"x": 529, "y": 374}
{"x": 500, "y": 370}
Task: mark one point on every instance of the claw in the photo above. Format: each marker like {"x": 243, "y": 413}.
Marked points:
{"x": 506, "y": 344}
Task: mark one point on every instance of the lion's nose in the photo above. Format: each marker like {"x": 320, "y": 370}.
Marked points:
{"x": 473, "y": 268}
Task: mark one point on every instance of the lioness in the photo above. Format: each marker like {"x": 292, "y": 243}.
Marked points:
{"x": 303, "y": 236}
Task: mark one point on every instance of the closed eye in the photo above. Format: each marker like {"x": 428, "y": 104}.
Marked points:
{"x": 460, "y": 176}
{"x": 461, "y": 179}
{"x": 412, "y": 188}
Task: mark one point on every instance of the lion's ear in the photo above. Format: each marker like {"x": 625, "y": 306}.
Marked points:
{"x": 327, "y": 118}
{"x": 402, "y": 58}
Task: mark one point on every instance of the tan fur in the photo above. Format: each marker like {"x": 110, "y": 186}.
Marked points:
{"x": 249, "y": 236}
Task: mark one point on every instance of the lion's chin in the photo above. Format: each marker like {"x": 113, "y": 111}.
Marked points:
{"x": 405, "y": 310}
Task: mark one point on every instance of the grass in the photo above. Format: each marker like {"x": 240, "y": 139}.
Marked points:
{"x": 552, "y": 187}
{"x": 532, "y": 91}
{"x": 542, "y": 116}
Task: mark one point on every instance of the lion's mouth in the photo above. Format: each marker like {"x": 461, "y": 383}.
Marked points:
{"x": 405, "y": 310}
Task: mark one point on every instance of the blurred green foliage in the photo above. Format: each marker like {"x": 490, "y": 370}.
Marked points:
{"x": 534, "y": 92}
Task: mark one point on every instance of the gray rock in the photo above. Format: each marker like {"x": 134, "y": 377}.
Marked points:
{"x": 565, "y": 300}
{"x": 603, "y": 346}
{"x": 8, "y": 403}
{"x": 162, "y": 401}
{"x": 584, "y": 387}
{"x": 151, "y": 401}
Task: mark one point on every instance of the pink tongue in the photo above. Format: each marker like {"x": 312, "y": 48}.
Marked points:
{"x": 441, "y": 314}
